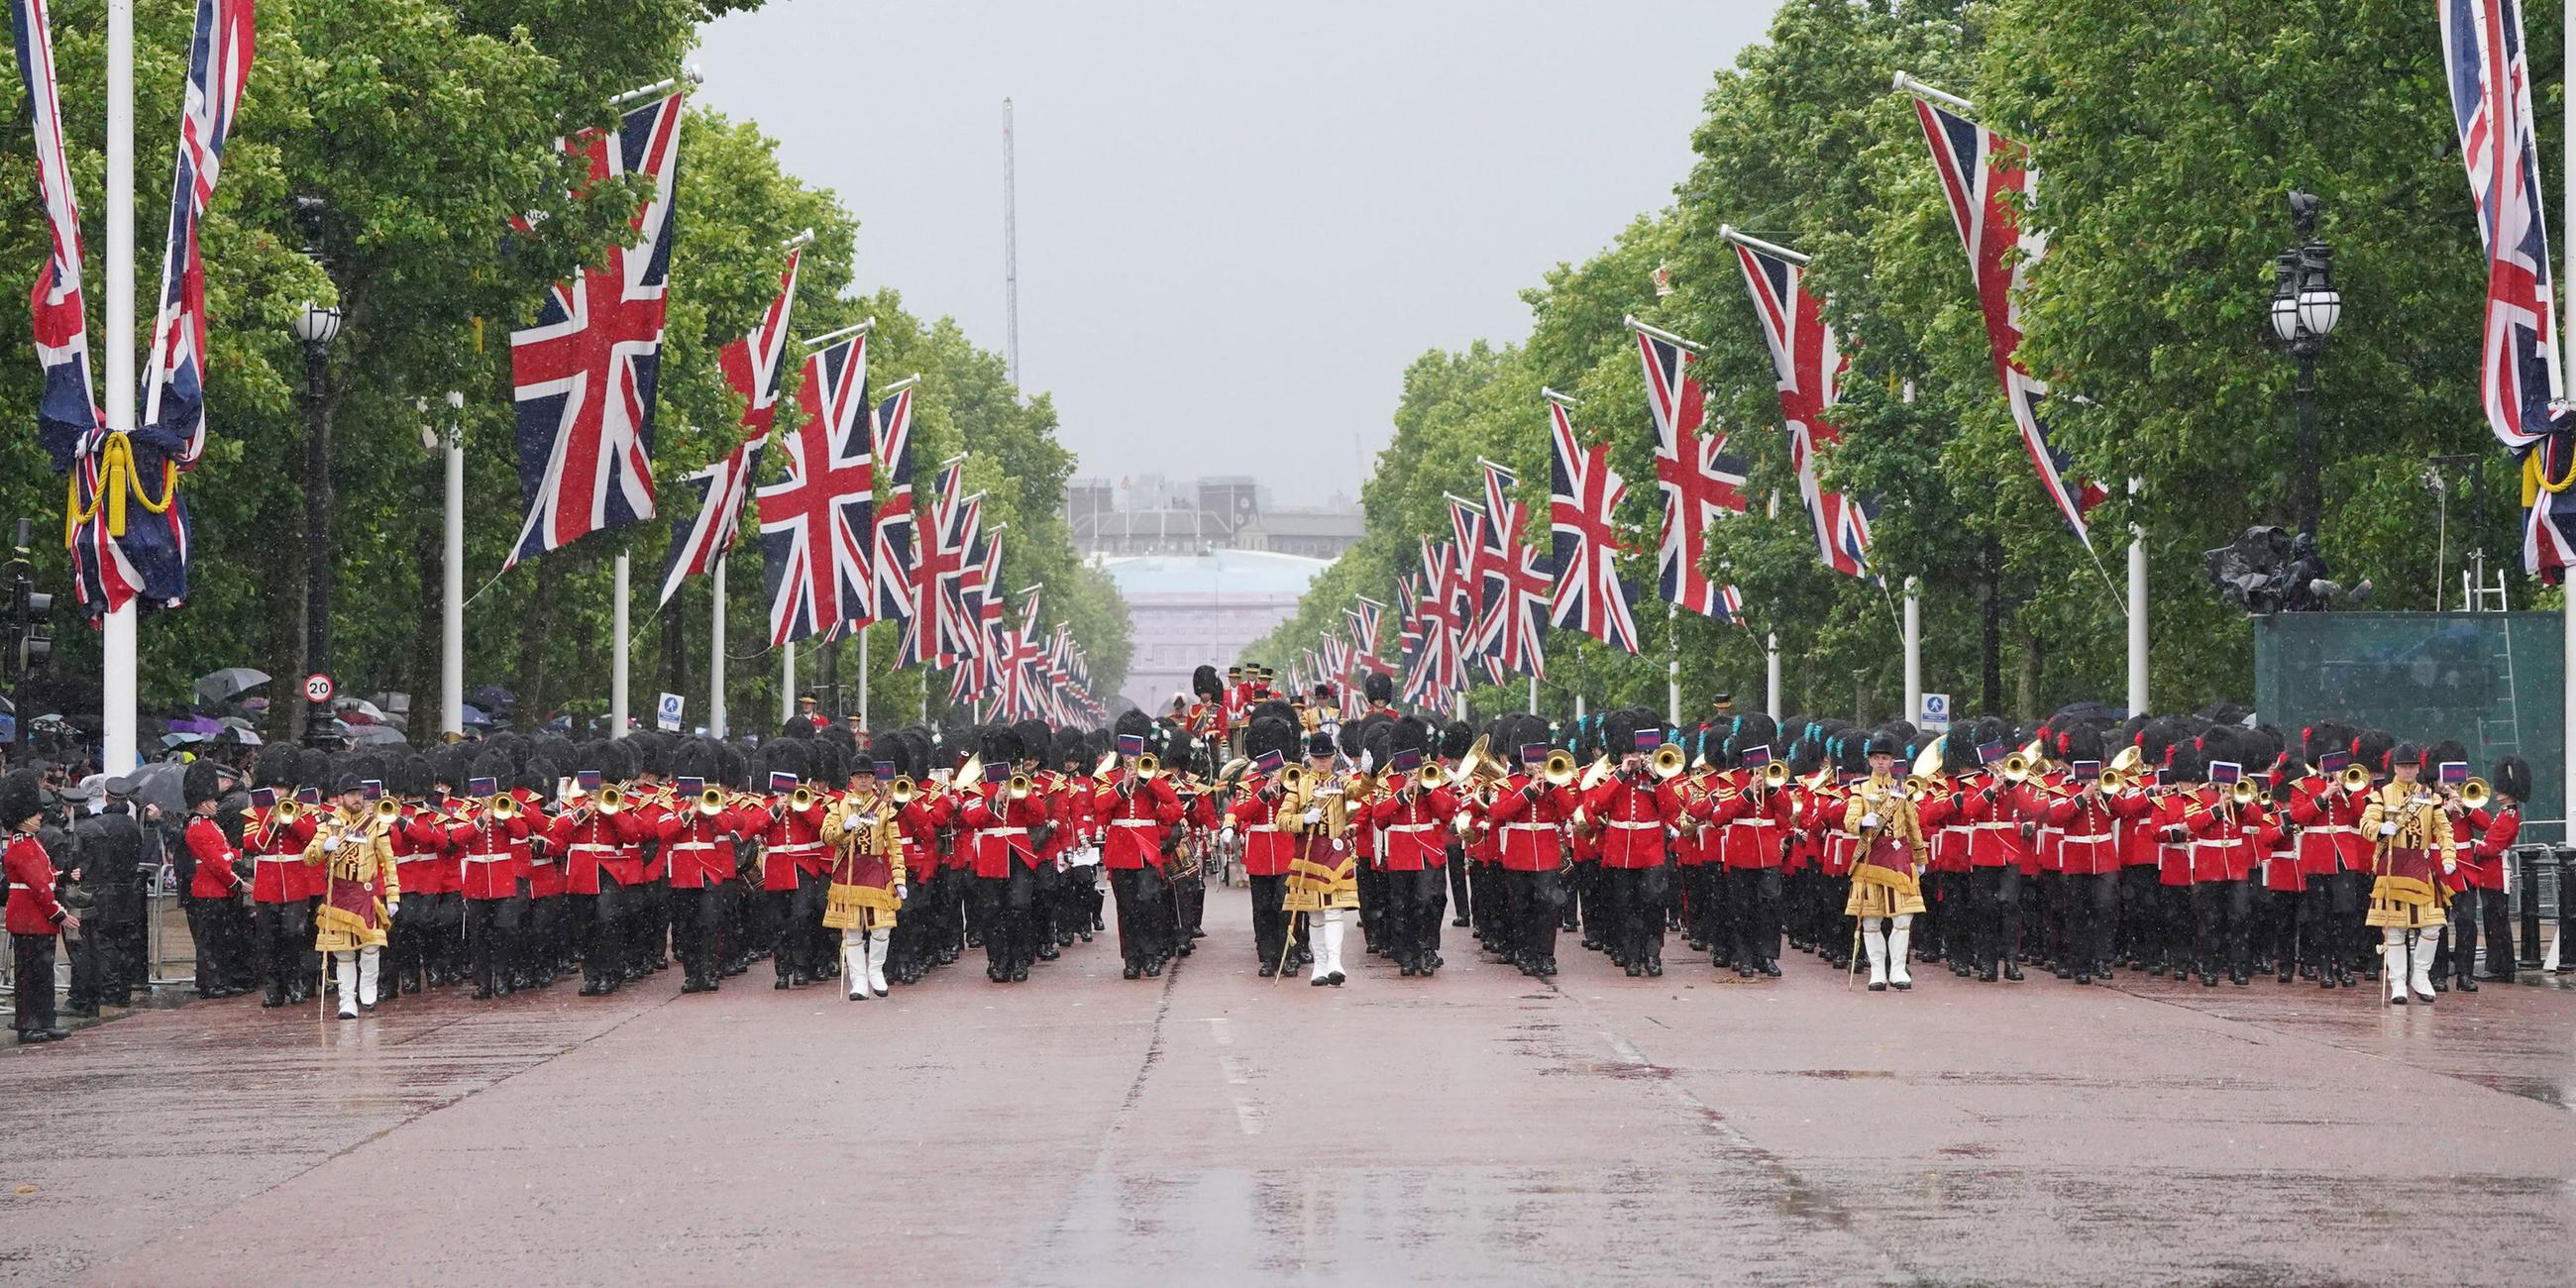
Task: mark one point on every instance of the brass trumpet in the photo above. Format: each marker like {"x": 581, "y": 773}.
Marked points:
{"x": 1558, "y": 769}
{"x": 504, "y": 808}
{"x": 902, "y": 789}
{"x": 609, "y": 799}
{"x": 1667, "y": 762}
{"x": 388, "y": 809}
{"x": 1021, "y": 786}
{"x": 711, "y": 801}
{"x": 2356, "y": 779}
{"x": 2474, "y": 794}
{"x": 1429, "y": 776}
{"x": 799, "y": 800}
{"x": 2016, "y": 767}
{"x": 287, "y": 811}
{"x": 1148, "y": 765}
{"x": 2244, "y": 793}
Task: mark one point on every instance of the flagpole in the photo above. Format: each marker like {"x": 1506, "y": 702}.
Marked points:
{"x": 2137, "y": 606}
{"x": 1673, "y": 665}
{"x": 117, "y": 643}
{"x": 1913, "y": 650}
{"x": 1771, "y": 669}
{"x": 1533, "y": 702}
{"x": 716, "y": 652}
{"x": 863, "y": 678}
{"x": 2567, "y": 609}
{"x": 617, "y": 667}
{"x": 787, "y": 682}
{"x": 451, "y": 624}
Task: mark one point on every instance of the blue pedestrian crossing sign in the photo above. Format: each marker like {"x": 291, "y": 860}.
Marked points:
{"x": 1935, "y": 716}
{"x": 667, "y": 715}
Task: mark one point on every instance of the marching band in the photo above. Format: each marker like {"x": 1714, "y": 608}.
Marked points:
{"x": 2086, "y": 846}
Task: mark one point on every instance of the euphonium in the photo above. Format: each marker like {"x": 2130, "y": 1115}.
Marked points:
{"x": 1917, "y": 787}
{"x": 1559, "y": 768}
{"x": 1667, "y": 761}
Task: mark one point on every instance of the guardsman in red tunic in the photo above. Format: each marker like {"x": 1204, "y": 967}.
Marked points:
{"x": 1948, "y": 896}
{"x": 1267, "y": 849}
{"x": 2333, "y": 854}
{"x": 1530, "y": 813}
{"x": 34, "y": 918}
{"x": 927, "y": 934}
{"x": 696, "y": 842}
{"x": 1995, "y": 809}
{"x": 1414, "y": 811}
{"x": 2487, "y": 865}
{"x": 1757, "y": 828}
{"x": 1003, "y": 815}
{"x": 1635, "y": 810}
{"x": 281, "y": 823}
{"x": 1135, "y": 813}
{"x": 794, "y": 864}
{"x": 212, "y": 885}
{"x": 2088, "y": 855}
{"x": 419, "y": 841}
{"x": 492, "y": 839}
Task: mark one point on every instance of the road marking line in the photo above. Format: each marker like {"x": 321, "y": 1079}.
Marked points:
{"x": 1248, "y": 1116}
{"x": 1220, "y": 1030}
{"x": 1234, "y": 1070}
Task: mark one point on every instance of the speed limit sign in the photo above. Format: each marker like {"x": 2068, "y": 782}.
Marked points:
{"x": 317, "y": 687}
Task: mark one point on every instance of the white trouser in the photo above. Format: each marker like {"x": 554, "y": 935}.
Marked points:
{"x": 1898, "y": 940}
{"x": 356, "y": 973}
{"x": 2411, "y": 965}
{"x": 1873, "y": 937}
{"x": 863, "y": 960}
{"x": 1327, "y": 928}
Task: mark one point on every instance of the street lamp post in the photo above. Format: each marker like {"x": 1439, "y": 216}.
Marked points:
{"x": 2305, "y": 309}
{"x": 316, "y": 326}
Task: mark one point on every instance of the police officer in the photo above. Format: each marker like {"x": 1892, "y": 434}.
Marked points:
{"x": 110, "y": 844}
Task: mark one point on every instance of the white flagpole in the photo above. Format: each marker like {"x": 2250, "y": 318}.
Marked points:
{"x": 451, "y": 625}
{"x": 1771, "y": 672}
{"x": 787, "y": 682}
{"x": 1913, "y": 650}
{"x": 863, "y": 678}
{"x": 716, "y": 654}
{"x": 117, "y": 643}
{"x": 1673, "y": 665}
{"x": 617, "y": 668}
{"x": 1533, "y": 703}
{"x": 2137, "y": 608}
{"x": 2567, "y": 692}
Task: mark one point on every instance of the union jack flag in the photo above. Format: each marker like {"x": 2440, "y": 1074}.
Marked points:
{"x": 979, "y": 590}
{"x": 1733, "y": 601}
{"x": 67, "y": 413}
{"x": 1441, "y": 615}
{"x": 219, "y": 57}
{"x": 891, "y": 557}
{"x": 1583, "y": 507}
{"x": 585, "y": 371}
{"x": 2519, "y": 372}
{"x": 1023, "y": 656}
{"x": 1692, "y": 470}
{"x": 1409, "y": 639}
{"x": 752, "y": 367}
{"x": 1983, "y": 174}
{"x": 1517, "y": 582}
{"x": 1363, "y": 617}
{"x": 1479, "y": 556}
{"x": 814, "y": 524}
{"x": 1811, "y": 365}
{"x": 936, "y": 631}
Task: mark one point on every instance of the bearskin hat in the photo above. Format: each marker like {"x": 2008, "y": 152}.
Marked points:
{"x": 22, "y": 797}
{"x": 203, "y": 782}
{"x": 2370, "y": 747}
{"x": 1270, "y": 734}
{"x": 2512, "y": 776}
{"x": 695, "y": 759}
{"x": 787, "y": 756}
{"x": 1378, "y": 687}
{"x": 1205, "y": 683}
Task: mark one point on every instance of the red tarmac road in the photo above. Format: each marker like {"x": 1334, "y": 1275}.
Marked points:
{"x": 1214, "y": 1128}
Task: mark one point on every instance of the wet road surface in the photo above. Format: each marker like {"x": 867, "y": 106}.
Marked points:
{"x": 1213, "y": 1127}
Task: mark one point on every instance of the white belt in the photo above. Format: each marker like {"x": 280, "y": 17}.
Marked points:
{"x": 1638, "y": 825}
{"x": 1993, "y": 827}
{"x": 593, "y": 847}
{"x": 1261, "y": 827}
{"x": 1411, "y": 827}
{"x": 20, "y": 885}
{"x": 1006, "y": 831}
{"x": 1135, "y": 822}
{"x": 2084, "y": 840}
{"x": 486, "y": 858}
{"x": 2199, "y": 844}
{"x": 2329, "y": 829}
{"x": 677, "y": 846}
{"x": 279, "y": 858}
{"x": 1529, "y": 827}
{"x": 798, "y": 847}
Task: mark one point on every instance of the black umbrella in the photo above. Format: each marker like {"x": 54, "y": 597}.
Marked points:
{"x": 229, "y": 683}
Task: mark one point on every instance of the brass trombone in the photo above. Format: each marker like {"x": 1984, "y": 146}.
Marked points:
{"x": 902, "y": 790}
{"x": 1667, "y": 762}
{"x": 388, "y": 810}
{"x": 1775, "y": 775}
{"x": 1148, "y": 765}
{"x": 1558, "y": 769}
{"x": 504, "y": 807}
{"x": 799, "y": 800}
{"x": 609, "y": 799}
{"x": 2474, "y": 794}
{"x": 2356, "y": 779}
{"x": 711, "y": 801}
{"x": 1021, "y": 786}
{"x": 1429, "y": 776}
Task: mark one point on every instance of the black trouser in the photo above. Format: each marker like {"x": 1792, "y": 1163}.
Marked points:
{"x": 446, "y": 936}
{"x": 1143, "y": 911}
{"x": 1998, "y": 897}
{"x": 1189, "y": 906}
{"x": 407, "y": 942}
{"x": 279, "y": 933}
{"x": 492, "y": 940}
{"x": 1756, "y": 904}
{"x": 1700, "y": 904}
{"x": 210, "y": 928}
{"x": 1412, "y": 914}
{"x": 2138, "y": 915}
{"x": 795, "y": 923}
{"x": 1375, "y": 931}
{"x": 1006, "y": 905}
{"x": 595, "y": 921}
{"x": 1536, "y": 900}
{"x": 114, "y": 929}
{"x": 2092, "y": 903}
{"x": 2225, "y": 910}
{"x": 544, "y": 943}
{"x": 1636, "y": 911}
{"x": 2467, "y": 908}
{"x": 1269, "y": 920}
{"x": 35, "y": 981}
{"x": 1461, "y": 892}
{"x": 697, "y": 930}
{"x": 644, "y": 926}
{"x": 2334, "y": 921}
{"x": 1582, "y": 883}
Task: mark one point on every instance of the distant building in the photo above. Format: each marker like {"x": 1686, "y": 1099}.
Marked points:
{"x": 1149, "y": 514}
{"x": 1190, "y": 609}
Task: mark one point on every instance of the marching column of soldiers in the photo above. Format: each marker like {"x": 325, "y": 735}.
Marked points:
{"x": 2195, "y": 846}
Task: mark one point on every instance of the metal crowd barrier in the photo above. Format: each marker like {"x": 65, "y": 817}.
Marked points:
{"x": 170, "y": 954}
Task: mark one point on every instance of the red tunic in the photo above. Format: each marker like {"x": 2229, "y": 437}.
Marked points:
{"x": 2329, "y": 829}
{"x": 1267, "y": 851}
{"x": 421, "y": 861}
{"x": 32, "y": 908}
{"x": 215, "y": 878}
{"x": 1002, "y": 829}
{"x": 795, "y": 844}
{"x": 2087, "y": 843}
{"x": 279, "y": 873}
{"x": 1633, "y": 816}
{"x": 1417, "y": 831}
{"x": 1529, "y": 816}
{"x": 1133, "y": 818}
{"x": 494, "y": 855}
{"x": 2482, "y": 861}
{"x": 1755, "y": 828}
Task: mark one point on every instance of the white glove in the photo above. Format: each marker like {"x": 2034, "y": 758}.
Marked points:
{"x": 2450, "y": 866}
{"x": 1869, "y": 820}
{"x": 900, "y": 893}
{"x": 332, "y": 843}
{"x": 1225, "y": 836}
{"x": 850, "y": 819}
{"x": 393, "y": 908}
{"x": 1314, "y": 816}
{"x": 2388, "y": 829}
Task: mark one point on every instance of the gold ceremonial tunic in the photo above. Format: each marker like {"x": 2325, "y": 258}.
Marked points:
{"x": 1320, "y": 877}
{"x": 867, "y": 864}
{"x": 360, "y": 882}
{"x": 2407, "y": 891}
{"x": 1882, "y": 877}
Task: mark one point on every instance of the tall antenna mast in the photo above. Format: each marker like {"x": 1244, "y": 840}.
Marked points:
{"x": 1010, "y": 253}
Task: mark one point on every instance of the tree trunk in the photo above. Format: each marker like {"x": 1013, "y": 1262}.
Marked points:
{"x": 2026, "y": 675}
{"x": 1990, "y": 675}
{"x": 536, "y": 624}
{"x": 675, "y": 640}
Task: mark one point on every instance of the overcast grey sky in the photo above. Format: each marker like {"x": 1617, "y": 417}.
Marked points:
{"x": 1237, "y": 224}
